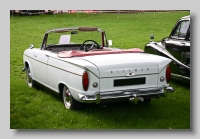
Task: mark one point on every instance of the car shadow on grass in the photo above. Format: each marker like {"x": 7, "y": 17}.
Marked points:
{"x": 49, "y": 92}
{"x": 163, "y": 113}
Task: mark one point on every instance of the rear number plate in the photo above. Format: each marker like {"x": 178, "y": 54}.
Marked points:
{"x": 127, "y": 82}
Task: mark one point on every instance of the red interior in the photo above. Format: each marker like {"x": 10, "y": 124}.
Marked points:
{"x": 74, "y": 53}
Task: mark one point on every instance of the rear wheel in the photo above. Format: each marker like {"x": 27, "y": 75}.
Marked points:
{"x": 68, "y": 100}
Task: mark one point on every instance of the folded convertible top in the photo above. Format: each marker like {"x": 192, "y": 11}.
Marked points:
{"x": 79, "y": 53}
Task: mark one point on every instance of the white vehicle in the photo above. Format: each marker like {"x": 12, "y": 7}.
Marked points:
{"x": 93, "y": 72}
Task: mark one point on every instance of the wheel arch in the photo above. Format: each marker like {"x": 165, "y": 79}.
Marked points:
{"x": 26, "y": 64}
{"x": 60, "y": 87}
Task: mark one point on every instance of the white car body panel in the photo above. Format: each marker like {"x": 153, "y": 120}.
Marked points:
{"x": 57, "y": 70}
{"x": 120, "y": 64}
{"x": 107, "y": 83}
{"x": 51, "y": 70}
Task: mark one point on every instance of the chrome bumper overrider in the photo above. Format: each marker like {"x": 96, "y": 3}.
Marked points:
{"x": 132, "y": 95}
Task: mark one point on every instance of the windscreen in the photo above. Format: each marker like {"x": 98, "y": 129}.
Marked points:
{"x": 79, "y": 38}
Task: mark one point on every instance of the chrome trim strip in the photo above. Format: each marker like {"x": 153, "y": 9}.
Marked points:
{"x": 131, "y": 94}
{"x": 53, "y": 66}
{"x": 136, "y": 75}
{"x": 179, "y": 76}
{"x": 66, "y": 62}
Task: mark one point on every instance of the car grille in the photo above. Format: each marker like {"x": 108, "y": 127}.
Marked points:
{"x": 127, "y": 82}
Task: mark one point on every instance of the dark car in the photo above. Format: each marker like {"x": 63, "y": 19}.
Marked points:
{"x": 175, "y": 47}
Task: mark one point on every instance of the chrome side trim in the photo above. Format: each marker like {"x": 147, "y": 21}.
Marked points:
{"x": 179, "y": 76}
{"x": 54, "y": 66}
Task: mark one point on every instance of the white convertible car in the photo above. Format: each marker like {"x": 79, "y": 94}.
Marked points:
{"x": 89, "y": 71}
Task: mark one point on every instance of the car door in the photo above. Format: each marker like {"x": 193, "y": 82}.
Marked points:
{"x": 177, "y": 44}
{"x": 40, "y": 65}
{"x": 186, "y": 60}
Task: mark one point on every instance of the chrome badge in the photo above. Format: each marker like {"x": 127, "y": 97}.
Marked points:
{"x": 130, "y": 74}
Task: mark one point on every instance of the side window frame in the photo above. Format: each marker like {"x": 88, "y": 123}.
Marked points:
{"x": 188, "y": 34}
{"x": 176, "y": 30}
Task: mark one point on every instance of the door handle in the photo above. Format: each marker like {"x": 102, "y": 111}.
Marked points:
{"x": 175, "y": 49}
{"x": 182, "y": 43}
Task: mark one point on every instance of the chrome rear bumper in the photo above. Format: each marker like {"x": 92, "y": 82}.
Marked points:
{"x": 132, "y": 95}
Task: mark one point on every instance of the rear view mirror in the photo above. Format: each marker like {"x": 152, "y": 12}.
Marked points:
{"x": 74, "y": 32}
{"x": 31, "y": 46}
{"x": 109, "y": 42}
{"x": 151, "y": 36}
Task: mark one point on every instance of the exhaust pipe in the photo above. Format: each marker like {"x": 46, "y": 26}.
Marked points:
{"x": 169, "y": 89}
{"x": 135, "y": 99}
{"x": 141, "y": 99}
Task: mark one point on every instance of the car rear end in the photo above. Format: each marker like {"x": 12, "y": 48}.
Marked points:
{"x": 133, "y": 76}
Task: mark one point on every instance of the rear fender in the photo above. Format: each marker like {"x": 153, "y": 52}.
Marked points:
{"x": 159, "y": 49}
{"x": 154, "y": 48}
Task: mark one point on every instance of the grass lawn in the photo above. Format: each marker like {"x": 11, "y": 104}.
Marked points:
{"x": 43, "y": 109}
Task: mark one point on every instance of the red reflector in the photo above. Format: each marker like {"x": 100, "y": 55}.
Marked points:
{"x": 168, "y": 74}
{"x": 85, "y": 80}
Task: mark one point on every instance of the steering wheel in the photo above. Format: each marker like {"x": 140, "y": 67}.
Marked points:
{"x": 87, "y": 48}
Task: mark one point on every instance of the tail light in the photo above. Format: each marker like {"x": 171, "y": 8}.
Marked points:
{"x": 85, "y": 80}
{"x": 168, "y": 74}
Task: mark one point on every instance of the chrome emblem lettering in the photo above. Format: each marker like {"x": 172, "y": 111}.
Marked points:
{"x": 130, "y": 74}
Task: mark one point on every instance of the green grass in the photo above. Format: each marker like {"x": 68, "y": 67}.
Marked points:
{"x": 43, "y": 109}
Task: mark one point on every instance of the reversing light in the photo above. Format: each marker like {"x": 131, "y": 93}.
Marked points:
{"x": 85, "y": 80}
{"x": 162, "y": 78}
{"x": 95, "y": 84}
{"x": 168, "y": 74}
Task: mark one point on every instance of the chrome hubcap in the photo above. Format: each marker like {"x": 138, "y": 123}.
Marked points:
{"x": 66, "y": 97}
{"x": 29, "y": 77}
